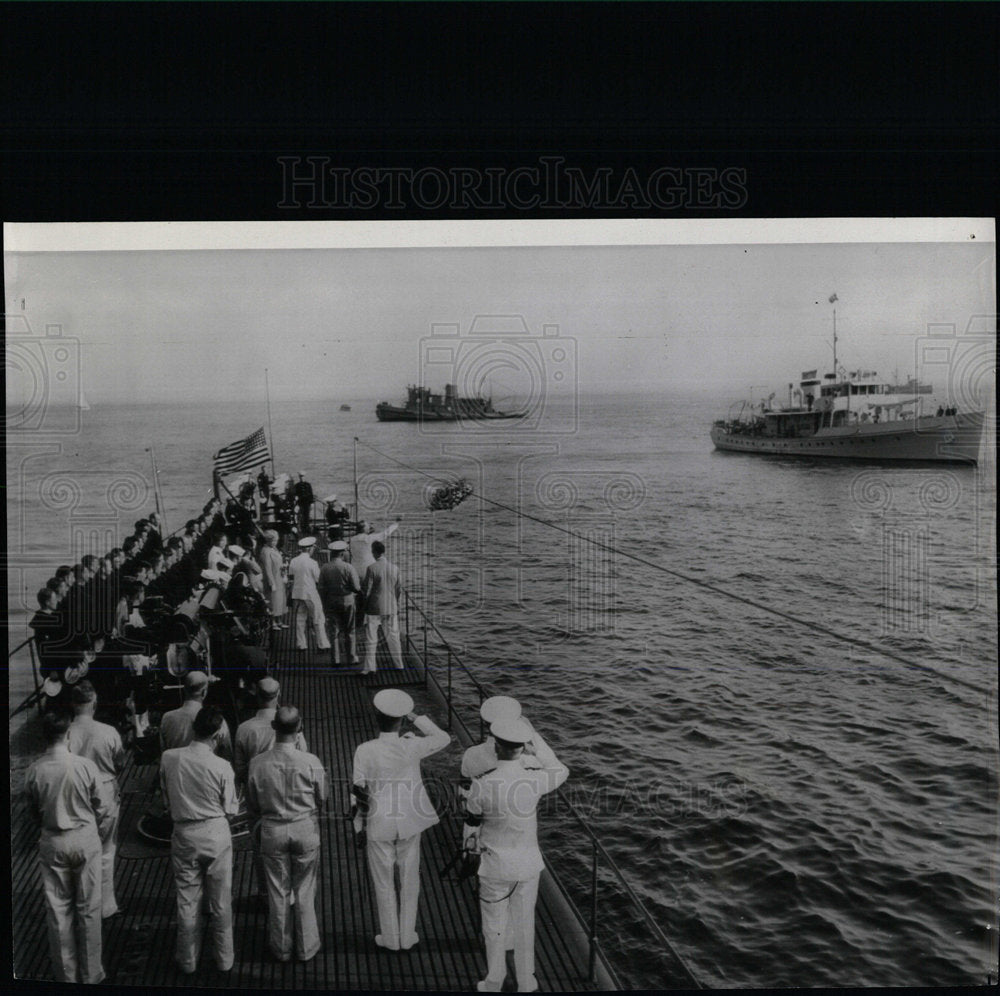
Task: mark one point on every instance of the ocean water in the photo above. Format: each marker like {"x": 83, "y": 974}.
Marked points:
{"x": 793, "y": 808}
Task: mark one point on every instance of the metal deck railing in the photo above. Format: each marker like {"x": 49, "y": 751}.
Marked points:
{"x": 600, "y": 858}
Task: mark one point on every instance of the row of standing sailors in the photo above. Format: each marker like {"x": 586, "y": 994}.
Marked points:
{"x": 73, "y": 791}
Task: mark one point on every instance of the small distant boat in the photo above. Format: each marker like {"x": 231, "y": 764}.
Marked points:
{"x": 345, "y": 408}
{"x": 422, "y": 406}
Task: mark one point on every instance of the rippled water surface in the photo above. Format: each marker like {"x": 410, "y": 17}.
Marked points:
{"x": 793, "y": 809}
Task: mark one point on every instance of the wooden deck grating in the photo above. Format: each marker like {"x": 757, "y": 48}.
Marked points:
{"x": 139, "y": 945}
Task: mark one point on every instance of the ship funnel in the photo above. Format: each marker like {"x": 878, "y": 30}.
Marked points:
{"x": 449, "y": 391}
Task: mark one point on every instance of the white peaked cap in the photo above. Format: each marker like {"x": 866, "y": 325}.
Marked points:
{"x": 307, "y": 542}
{"x": 238, "y": 550}
{"x": 210, "y": 575}
{"x": 330, "y": 498}
{"x": 393, "y": 702}
{"x": 500, "y": 707}
{"x": 513, "y": 731}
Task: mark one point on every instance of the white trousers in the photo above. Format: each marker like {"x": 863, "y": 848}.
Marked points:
{"x": 313, "y": 610}
{"x": 70, "y": 863}
{"x": 390, "y": 626}
{"x": 289, "y": 853}
{"x": 515, "y": 913}
{"x": 202, "y": 857}
{"x": 397, "y": 922}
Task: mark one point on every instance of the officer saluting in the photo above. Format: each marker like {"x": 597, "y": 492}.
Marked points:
{"x": 285, "y": 791}
{"x": 501, "y": 811}
{"x": 480, "y": 758}
{"x": 200, "y": 790}
{"x": 64, "y": 794}
{"x": 101, "y": 744}
{"x": 393, "y": 810}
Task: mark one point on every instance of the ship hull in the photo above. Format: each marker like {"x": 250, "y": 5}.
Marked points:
{"x": 943, "y": 439}
{"x": 395, "y": 413}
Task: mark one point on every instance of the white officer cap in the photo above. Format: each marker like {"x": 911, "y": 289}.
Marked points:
{"x": 210, "y": 575}
{"x": 393, "y": 702}
{"x": 499, "y": 707}
{"x": 238, "y": 550}
{"x": 308, "y": 542}
{"x": 512, "y": 731}
{"x": 338, "y": 545}
{"x": 330, "y": 498}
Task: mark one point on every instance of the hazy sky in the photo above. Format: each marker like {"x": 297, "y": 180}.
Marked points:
{"x": 350, "y": 323}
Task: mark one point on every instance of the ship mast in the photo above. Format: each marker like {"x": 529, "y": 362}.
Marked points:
{"x": 833, "y": 299}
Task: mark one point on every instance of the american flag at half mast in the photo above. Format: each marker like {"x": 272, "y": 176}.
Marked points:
{"x": 244, "y": 454}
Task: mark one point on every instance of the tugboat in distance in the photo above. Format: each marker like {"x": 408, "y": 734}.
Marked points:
{"x": 422, "y": 406}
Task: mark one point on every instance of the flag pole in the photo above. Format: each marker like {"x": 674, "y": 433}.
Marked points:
{"x": 270, "y": 431}
{"x": 160, "y": 511}
{"x": 357, "y": 505}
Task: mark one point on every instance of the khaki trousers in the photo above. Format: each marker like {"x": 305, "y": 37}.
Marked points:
{"x": 340, "y": 614}
{"x": 289, "y": 853}
{"x": 202, "y": 857}
{"x": 109, "y": 905}
{"x": 70, "y": 863}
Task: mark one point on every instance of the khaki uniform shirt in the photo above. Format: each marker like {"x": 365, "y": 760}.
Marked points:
{"x": 197, "y": 784}
{"x": 100, "y": 743}
{"x": 285, "y": 784}
{"x": 64, "y": 792}
{"x": 177, "y": 727}
{"x": 253, "y": 737}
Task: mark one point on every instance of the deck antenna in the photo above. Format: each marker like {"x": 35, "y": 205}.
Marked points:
{"x": 270, "y": 431}
{"x": 160, "y": 513}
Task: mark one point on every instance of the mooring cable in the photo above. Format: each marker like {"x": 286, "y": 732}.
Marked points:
{"x": 707, "y": 586}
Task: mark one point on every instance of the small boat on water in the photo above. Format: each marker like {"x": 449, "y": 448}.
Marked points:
{"x": 345, "y": 408}
{"x": 423, "y": 406}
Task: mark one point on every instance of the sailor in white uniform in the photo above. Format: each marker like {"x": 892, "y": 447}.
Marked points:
{"x": 393, "y": 810}
{"x": 480, "y": 758}
{"x": 304, "y": 572}
{"x": 501, "y": 813}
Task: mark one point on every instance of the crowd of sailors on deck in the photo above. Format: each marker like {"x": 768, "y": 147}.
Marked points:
{"x": 73, "y": 792}
{"x": 92, "y": 610}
